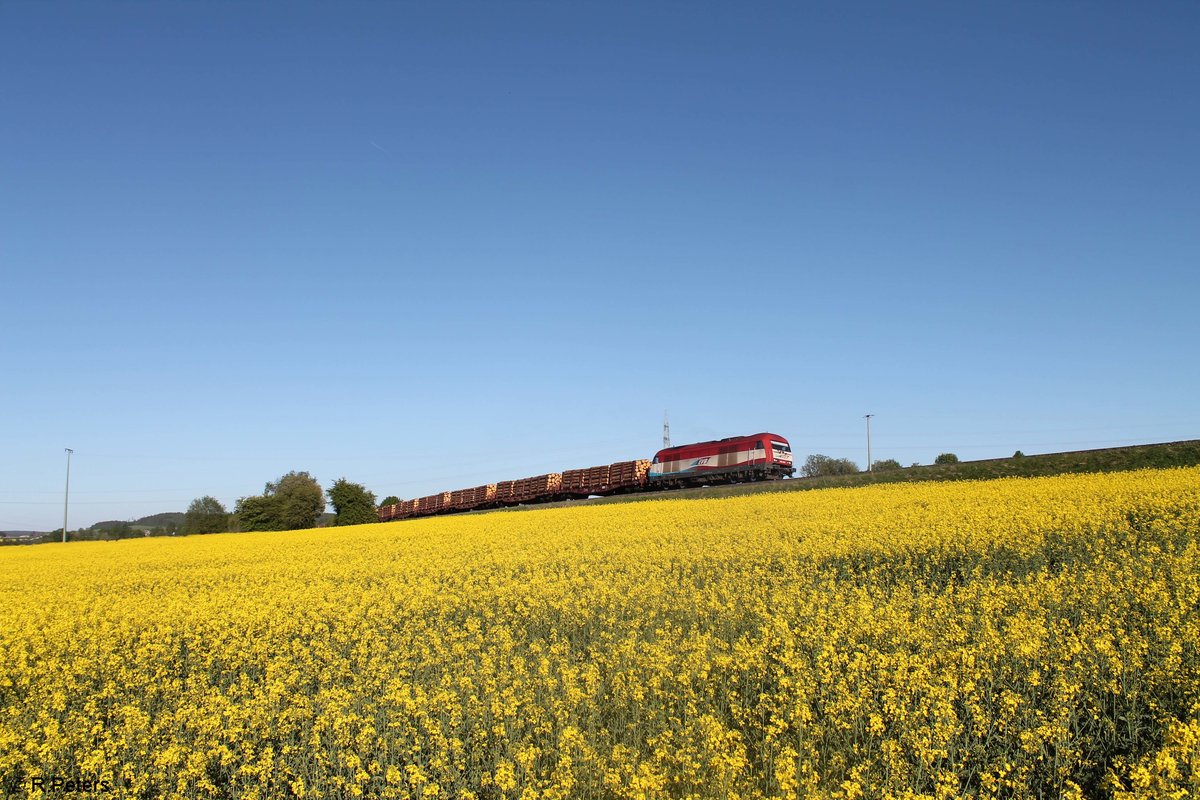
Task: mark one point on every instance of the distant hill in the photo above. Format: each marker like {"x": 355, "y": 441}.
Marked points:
{"x": 122, "y": 528}
{"x": 163, "y": 520}
{"x": 174, "y": 519}
{"x": 167, "y": 519}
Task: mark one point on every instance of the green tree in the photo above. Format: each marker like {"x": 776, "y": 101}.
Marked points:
{"x": 817, "y": 465}
{"x": 112, "y": 530}
{"x": 390, "y": 500}
{"x": 293, "y": 502}
{"x": 946, "y": 458}
{"x": 352, "y": 503}
{"x": 205, "y": 515}
{"x": 300, "y": 498}
{"x": 885, "y": 464}
{"x": 258, "y": 513}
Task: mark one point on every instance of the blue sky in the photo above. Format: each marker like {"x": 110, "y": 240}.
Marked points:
{"x": 427, "y": 246}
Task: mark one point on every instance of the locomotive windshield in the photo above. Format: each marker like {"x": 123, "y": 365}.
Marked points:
{"x": 783, "y": 446}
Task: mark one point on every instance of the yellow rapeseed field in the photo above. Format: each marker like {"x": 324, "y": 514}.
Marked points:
{"x": 1012, "y": 638}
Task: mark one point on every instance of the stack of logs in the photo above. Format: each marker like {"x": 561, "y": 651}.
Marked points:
{"x": 605, "y": 479}
{"x": 433, "y": 503}
{"x": 466, "y": 499}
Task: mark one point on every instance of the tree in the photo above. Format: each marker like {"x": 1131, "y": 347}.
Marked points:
{"x": 112, "y": 530}
{"x": 293, "y": 502}
{"x": 206, "y": 515}
{"x": 817, "y": 465}
{"x": 885, "y": 464}
{"x": 300, "y": 499}
{"x": 390, "y": 500}
{"x": 352, "y": 503}
{"x": 946, "y": 458}
{"x": 258, "y": 513}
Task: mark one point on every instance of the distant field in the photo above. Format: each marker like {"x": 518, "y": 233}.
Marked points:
{"x": 1011, "y": 638}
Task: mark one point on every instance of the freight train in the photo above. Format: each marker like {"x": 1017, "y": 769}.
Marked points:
{"x": 760, "y": 456}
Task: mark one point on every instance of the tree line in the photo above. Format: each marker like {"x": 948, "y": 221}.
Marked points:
{"x": 292, "y": 502}
{"x": 817, "y": 465}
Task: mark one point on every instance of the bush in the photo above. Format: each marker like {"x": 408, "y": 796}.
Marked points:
{"x": 885, "y": 464}
{"x": 946, "y": 458}
{"x": 817, "y": 465}
{"x": 293, "y": 502}
{"x": 352, "y": 503}
{"x": 206, "y": 515}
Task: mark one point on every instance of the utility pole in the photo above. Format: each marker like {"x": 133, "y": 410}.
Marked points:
{"x": 868, "y": 419}
{"x": 67, "y": 493}
{"x": 666, "y": 432}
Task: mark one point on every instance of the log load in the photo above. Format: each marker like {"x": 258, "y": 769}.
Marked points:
{"x": 475, "y": 497}
{"x": 539, "y": 487}
{"x": 627, "y": 474}
{"x": 584, "y": 482}
{"x": 434, "y": 503}
{"x": 574, "y": 482}
{"x": 506, "y": 491}
{"x": 460, "y": 499}
{"x": 597, "y": 479}
{"x": 605, "y": 479}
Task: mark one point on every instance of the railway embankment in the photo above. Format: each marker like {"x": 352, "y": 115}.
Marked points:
{"x": 1109, "y": 459}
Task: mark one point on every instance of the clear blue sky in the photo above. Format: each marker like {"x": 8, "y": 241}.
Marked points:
{"x": 429, "y": 245}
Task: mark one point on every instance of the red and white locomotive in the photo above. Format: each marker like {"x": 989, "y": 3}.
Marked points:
{"x": 760, "y": 456}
